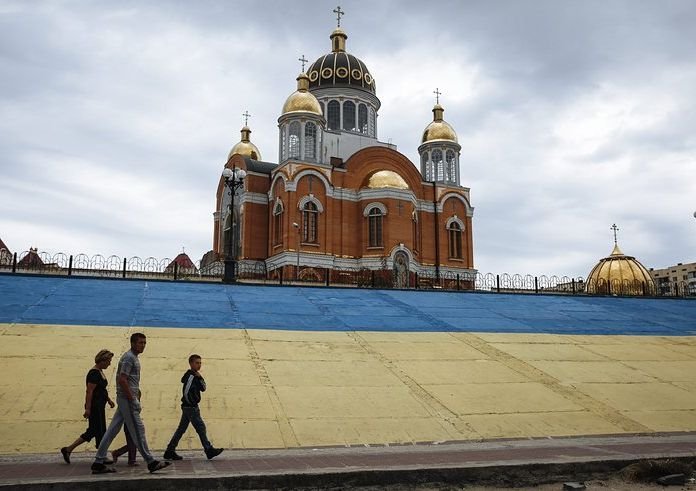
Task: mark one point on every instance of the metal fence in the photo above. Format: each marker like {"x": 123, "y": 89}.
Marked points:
{"x": 60, "y": 264}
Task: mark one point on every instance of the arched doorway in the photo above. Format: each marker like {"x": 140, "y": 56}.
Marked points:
{"x": 400, "y": 270}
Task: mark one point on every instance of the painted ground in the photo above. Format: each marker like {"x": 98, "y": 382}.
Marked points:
{"x": 291, "y": 367}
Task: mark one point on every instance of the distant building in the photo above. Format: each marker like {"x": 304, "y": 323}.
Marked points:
{"x": 31, "y": 260}
{"x": 678, "y": 276}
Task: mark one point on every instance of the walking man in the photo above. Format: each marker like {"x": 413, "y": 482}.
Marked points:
{"x": 128, "y": 409}
{"x": 193, "y": 385}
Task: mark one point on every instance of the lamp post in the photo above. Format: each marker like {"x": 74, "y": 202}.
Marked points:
{"x": 297, "y": 268}
{"x": 234, "y": 179}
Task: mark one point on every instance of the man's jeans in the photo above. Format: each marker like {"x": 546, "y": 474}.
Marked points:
{"x": 190, "y": 415}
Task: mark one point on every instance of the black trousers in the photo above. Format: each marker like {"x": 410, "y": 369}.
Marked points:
{"x": 97, "y": 423}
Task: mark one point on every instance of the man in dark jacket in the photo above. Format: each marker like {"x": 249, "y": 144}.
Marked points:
{"x": 193, "y": 385}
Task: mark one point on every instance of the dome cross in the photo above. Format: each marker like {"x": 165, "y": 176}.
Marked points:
{"x": 246, "y": 116}
{"x": 338, "y": 13}
{"x": 615, "y": 229}
{"x": 302, "y": 60}
{"x": 437, "y": 95}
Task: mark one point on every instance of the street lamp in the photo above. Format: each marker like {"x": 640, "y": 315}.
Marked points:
{"x": 297, "y": 268}
{"x": 234, "y": 179}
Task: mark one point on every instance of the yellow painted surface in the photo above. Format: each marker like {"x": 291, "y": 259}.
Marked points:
{"x": 274, "y": 389}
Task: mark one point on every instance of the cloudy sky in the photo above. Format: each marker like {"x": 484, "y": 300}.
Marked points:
{"x": 117, "y": 117}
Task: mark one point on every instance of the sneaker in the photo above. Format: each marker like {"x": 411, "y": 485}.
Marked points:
{"x": 66, "y": 455}
{"x": 109, "y": 462}
{"x": 213, "y": 452}
{"x": 98, "y": 468}
{"x": 156, "y": 465}
{"x": 172, "y": 455}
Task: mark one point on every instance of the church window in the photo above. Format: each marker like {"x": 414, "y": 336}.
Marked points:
{"x": 349, "y": 116}
{"x": 451, "y": 166}
{"x": 294, "y": 140}
{"x": 310, "y": 217}
{"x": 437, "y": 166}
{"x": 334, "y": 117}
{"x": 455, "y": 241}
{"x": 310, "y": 134}
{"x": 278, "y": 224}
{"x": 371, "y": 129}
{"x": 425, "y": 168}
{"x": 375, "y": 227}
{"x": 362, "y": 118}
{"x": 283, "y": 143}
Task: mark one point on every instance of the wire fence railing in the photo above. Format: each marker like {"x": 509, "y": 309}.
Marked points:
{"x": 249, "y": 271}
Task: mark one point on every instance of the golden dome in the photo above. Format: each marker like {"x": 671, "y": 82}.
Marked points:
{"x": 439, "y": 129}
{"x": 245, "y": 147}
{"x": 302, "y": 100}
{"x": 620, "y": 274}
{"x": 386, "y": 179}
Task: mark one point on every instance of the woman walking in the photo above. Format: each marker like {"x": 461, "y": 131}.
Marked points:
{"x": 96, "y": 399}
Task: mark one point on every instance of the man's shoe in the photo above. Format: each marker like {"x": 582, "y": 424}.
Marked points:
{"x": 98, "y": 468}
{"x": 213, "y": 452}
{"x": 156, "y": 465}
{"x": 172, "y": 455}
{"x": 66, "y": 455}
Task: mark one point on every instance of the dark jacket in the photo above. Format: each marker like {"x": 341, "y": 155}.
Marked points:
{"x": 191, "y": 391}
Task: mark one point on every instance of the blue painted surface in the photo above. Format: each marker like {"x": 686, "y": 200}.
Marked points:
{"x": 46, "y": 300}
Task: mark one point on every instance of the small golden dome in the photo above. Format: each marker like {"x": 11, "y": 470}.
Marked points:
{"x": 245, "y": 147}
{"x": 302, "y": 100}
{"x": 439, "y": 129}
{"x": 620, "y": 274}
{"x": 386, "y": 179}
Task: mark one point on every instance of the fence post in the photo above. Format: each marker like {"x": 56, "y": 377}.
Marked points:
{"x": 643, "y": 286}
{"x": 373, "y": 277}
{"x": 280, "y": 276}
{"x": 536, "y": 285}
{"x": 70, "y": 265}
{"x": 415, "y": 274}
{"x": 14, "y": 262}
{"x": 458, "y": 288}
{"x": 328, "y": 276}
{"x": 176, "y": 270}
{"x": 573, "y": 282}
{"x": 124, "y": 267}
{"x": 609, "y": 287}
{"x": 497, "y": 282}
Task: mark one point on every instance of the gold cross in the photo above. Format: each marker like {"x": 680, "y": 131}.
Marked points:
{"x": 246, "y": 117}
{"x": 615, "y": 229}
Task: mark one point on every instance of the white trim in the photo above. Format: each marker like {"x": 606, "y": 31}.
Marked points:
{"x": 441, "y": 203}
{"x": 307, "y": 199}
{"x": 277, "y": 202}
{"x": 455, "y": 219}
{"x": 304, "y": 172}
{"x": 279, "y": 175}
{"x": 256, "y": 198}
{"x": 374, "y": 204}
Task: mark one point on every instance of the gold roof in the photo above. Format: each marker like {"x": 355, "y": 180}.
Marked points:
{"x": 623, "y": 274}
{"x": 245, "y": 147}
{"x": 386, "y": 179}
{"x": 302, "y": 100}
{"x": 439, "y": 129}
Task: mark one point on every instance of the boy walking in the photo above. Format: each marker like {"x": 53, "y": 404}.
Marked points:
{"x": 193, "y": 385}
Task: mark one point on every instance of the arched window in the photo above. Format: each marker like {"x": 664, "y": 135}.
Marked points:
{"x": 334, "y": 118}
{"x": 310, "y": 216}
{"x": 455, "y": 241}
{"x": 278, "y": 224}
{"x": 283, "y": 143}
{"x": 294, "y": 141}
{"x": 437, "y": 165}
{"x": 451, "y": 166}
{"x": 362, "y": 118}
{"x": 371, "y": 129}
{"x": 425, "y": 167}
{"x": 349, "y": 116}
{"x": 310, "y": 141}
{"x": 375, "y": 227}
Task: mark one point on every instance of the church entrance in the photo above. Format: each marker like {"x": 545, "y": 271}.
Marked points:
{"x": 401, "y": 270}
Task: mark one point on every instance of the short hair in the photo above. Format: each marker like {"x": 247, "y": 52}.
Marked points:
{"x": 103, "y": 355}
{"x": 137, "y": 335}
{"x": 192, "y": 358}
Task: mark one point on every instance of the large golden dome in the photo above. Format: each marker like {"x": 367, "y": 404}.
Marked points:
{"x": 439, "y": 129}
{"x": 302, "y": 100}
{"x": 619, "y": 274}
{"x": 245, "y": 147}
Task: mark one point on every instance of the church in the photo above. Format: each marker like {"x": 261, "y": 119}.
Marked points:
{"x": 338, "y": 198}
